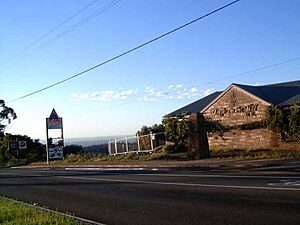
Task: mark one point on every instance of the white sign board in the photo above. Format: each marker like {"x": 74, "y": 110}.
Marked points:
{"x": 56, "y": 153}
{"x": 22, "y": 145}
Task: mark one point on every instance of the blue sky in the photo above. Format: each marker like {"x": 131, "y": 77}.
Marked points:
{"x": 139, "y": 88}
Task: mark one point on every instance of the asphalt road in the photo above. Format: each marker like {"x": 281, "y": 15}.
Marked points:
{"x": 160, "y": 196}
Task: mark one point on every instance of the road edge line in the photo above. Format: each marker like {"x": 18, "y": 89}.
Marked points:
{"x": 53, "y": 211}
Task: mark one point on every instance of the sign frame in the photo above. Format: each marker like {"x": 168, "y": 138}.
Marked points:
{"x": 54, "y": 151}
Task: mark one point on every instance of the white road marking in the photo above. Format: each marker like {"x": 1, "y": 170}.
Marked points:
{"x": 108, "y": 169}
{"x": 217, "y": 176}
{"x": 181, "y": 184}
{"x": 286, "y": 183}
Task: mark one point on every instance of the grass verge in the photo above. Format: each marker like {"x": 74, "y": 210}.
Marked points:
{"x": 163, "y": 154}
{"x": 255, "y": 154}
{"x": 11, "y": 163}
{"x": 16, "y": 213}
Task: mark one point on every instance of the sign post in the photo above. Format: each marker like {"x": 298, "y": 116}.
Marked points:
{"x": 54, "y": 145}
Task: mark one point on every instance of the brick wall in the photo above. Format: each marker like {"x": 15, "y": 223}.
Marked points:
{"x": 236, "y": 107}
{"x": 244, "y": 139}
{"x": 251, "y": 139}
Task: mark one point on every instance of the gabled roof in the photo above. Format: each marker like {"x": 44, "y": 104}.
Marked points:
{"x": 285, "y": 93}
{"x": 196, "y": 106}
{"x": 276, "y": 94}
{"x": 292, "y": 100}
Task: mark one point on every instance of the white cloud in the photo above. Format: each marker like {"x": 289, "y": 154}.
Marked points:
{"x": 106, "y": 95}
{"x": 194, "y": 89}
{"x": 161, "y": 94}
{"x": 149, "y": 99}
{"x": 256, "y": 84}
{"x": 208, "y": 91}
{"x": 179, "y": 86}
{"x": 83, "y": 96}
{"x": 150, "y": 90}
{"x": 170, "y": 86}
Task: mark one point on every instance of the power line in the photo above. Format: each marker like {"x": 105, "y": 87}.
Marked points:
{"x": 257, "y": 69}
{"x": 189, "y": 87}
{"x": 128, "y": 51}
{"x": 70, "y": 29}
{"x": 52, "y": 30}
{"x": 85, "y": 20}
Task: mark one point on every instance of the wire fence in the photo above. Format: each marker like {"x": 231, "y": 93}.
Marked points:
{"x": 136, "y": 144}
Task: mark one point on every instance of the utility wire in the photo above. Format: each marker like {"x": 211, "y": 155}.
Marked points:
{"x": 51, "y": 31}
{"x": 128, "y": 51}
{"x": 257, "y": 69}
{"x": 85, "y": 20}
{"x": 175, "y": 91}
{"x": 70, "y": 29}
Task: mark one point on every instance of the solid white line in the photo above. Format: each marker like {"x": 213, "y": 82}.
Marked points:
{"x": 181, "y": 184}
{"x": 217, "y": 176}
{"x": 107, "y": 169}
{"x": 54, "y": 212}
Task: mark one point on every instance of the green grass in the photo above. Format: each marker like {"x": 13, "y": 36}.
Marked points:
{"x": 128, "y": 157}
{"x": 255, "y": 154}
{"x": 11, "y": 163}
{"x": 164, "y": 154}
{"x": 12, "y": 213}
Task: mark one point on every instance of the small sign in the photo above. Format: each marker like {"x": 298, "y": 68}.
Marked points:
{"x": 12, "y": 146}
{"x": 54, "y": 145}
{"x": 56, "y": 153}
{"x": 53, "y": 116}
{"x": 22, "y": 145}
{"x": 54, "y": 121}
{"x": 57, "y": 124}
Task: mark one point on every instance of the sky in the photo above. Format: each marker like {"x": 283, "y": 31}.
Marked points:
{"x": 43, "y": 42}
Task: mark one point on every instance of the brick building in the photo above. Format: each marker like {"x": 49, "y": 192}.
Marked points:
{"x": 241, "y": 104}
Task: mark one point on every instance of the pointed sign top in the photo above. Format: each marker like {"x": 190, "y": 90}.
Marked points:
{"x": 53, "y": 116}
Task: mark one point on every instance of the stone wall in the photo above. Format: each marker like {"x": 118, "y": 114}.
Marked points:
{"x": 250, "y": 139}
{"x": 236, "y": 107}
{"x": 244, "y": 139}
{"x": 197, "y": 142}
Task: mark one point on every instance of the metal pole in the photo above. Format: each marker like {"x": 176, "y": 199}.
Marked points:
{"x": 138, "y": 142}
{"x": 151, "y": 141}
{"x": 62, "y": 136}
{"x": 47, "y": 146}
{"x": 126, "y": 143}
{"x": 116, "y": 146}
{"x": 109, "y": 148}
{"x": 17, "y": 142}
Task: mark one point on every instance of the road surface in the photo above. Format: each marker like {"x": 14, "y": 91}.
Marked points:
{"x": 159, "y": 196}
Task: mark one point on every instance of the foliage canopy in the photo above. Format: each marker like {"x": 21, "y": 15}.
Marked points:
{"x": 6, "y": 115}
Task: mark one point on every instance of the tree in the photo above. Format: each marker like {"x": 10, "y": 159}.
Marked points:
{"x": 6, "y": 115}
{"x": 156, "y": 128}
{"x": 294, "y": 123}
{"x": 285, "y": 120}
{"x": 177, "y": 131}
{"x": 35, "y": 150}
{"x": 73, "y": 149}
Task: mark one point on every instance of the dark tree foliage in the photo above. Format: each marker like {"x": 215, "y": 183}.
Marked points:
{"x": 156, "y": 128}
{"x": 285, "y": 120}
{"x": 35, "y": 150}
{"x": 73, "y": 149}
{"x": 101, "y": 149}
{"x": 177, "y": 131}
{"x": 6, "y": 115}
